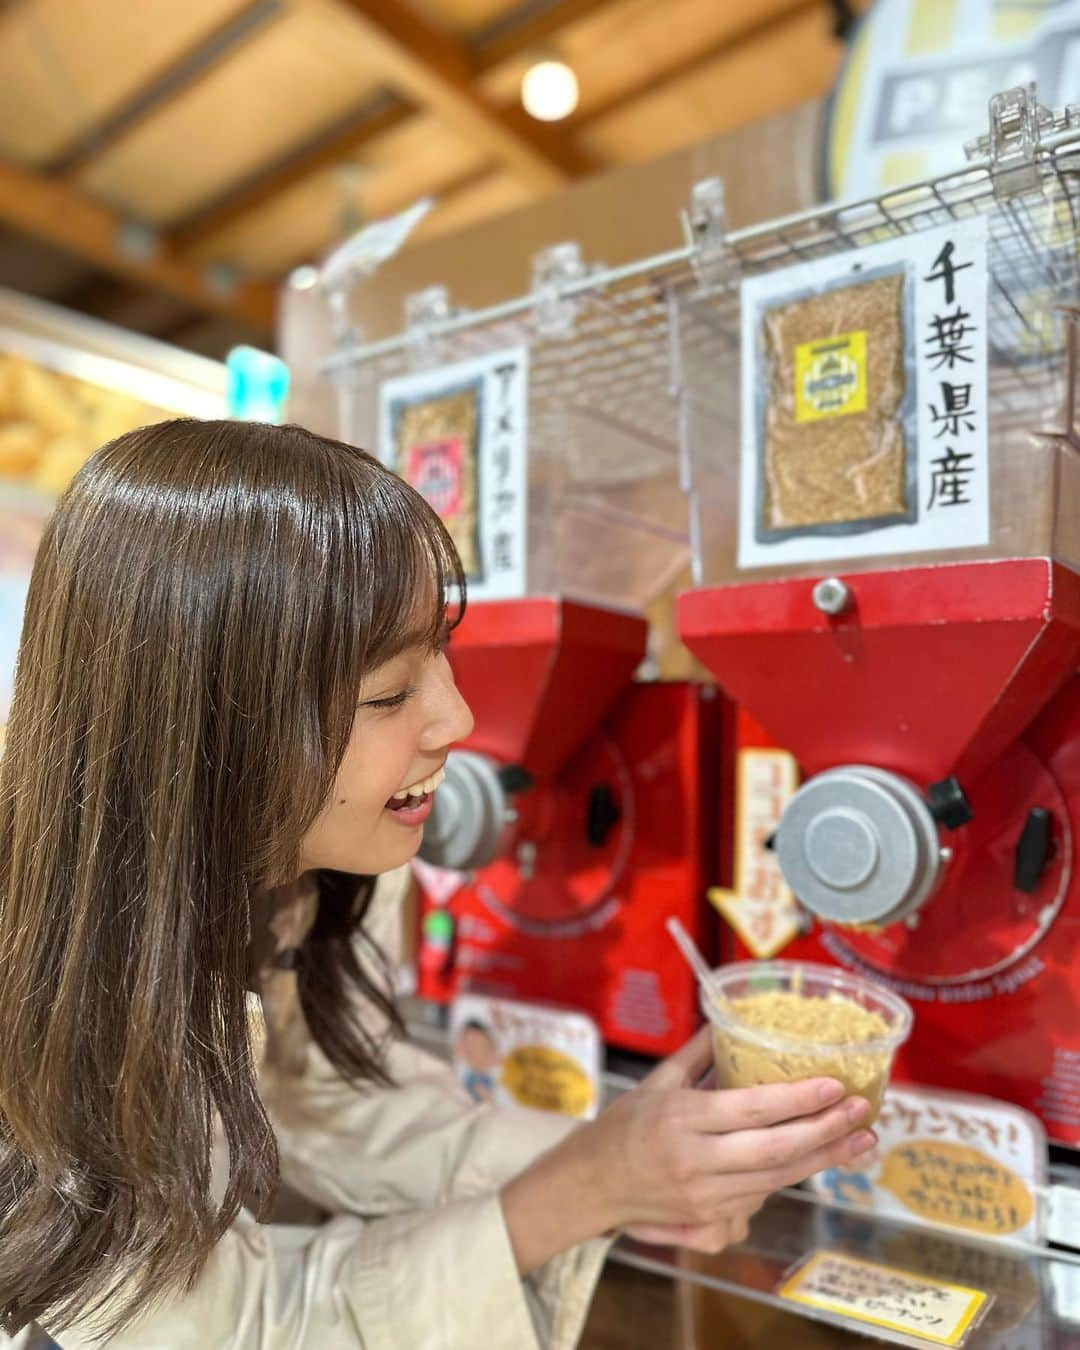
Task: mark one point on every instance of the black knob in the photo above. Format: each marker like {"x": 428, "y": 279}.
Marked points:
{"x": 947, "y": 804}
{"x": 514, "y": 778}
{"x": 603, "y": 815}
{"x": 1032, "y": 850}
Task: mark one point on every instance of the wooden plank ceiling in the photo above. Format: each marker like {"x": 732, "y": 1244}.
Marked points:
{"x": 175, "y": 161}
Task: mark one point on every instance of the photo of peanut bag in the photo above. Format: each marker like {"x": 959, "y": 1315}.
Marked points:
{"x": 835, "y": 453}
{"x": 436, "y": 443}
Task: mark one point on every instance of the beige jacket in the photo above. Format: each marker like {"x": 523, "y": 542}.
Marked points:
{"x": 415, "y": 1254}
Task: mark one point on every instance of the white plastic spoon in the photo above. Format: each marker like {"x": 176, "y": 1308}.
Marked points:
{"x": 691, "y": 953}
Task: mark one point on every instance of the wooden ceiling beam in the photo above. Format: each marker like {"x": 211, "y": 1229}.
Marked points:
{"x": 529, "y": 25}
{"x": 126, "y": 304}
{"x": 523, "y": 28}
{"x": 165, "y": 86}
{"x": 436, "y": 72}
{"x": 754, "y": 31}
{"x": 374, "y": 118}
{"x": 57, "y": 212}
{"x": 101, "y": 296}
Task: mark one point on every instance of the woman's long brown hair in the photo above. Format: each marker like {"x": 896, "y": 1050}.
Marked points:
{"x": 205, "y": 603}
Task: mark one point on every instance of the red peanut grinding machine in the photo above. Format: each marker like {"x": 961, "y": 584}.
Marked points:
{"x": 576, "y": 820}
{"x": 890, "y": 594}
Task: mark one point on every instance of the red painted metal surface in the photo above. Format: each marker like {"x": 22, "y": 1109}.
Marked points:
{"x": 932, "y": 670}
{"x": 540, "y": 673}
{"x": 583, "y": 923}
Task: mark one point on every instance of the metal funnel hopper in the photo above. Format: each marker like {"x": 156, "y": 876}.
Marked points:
{"x": 925, "y": 671}
{"x": 540, "y": 673}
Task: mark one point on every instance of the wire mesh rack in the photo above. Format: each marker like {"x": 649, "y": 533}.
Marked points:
{"x": 633, "y": 391}
{"x": 1033, "y": 282}
{"x": 1033, "y": 251}
{"x": 607, "y": 511}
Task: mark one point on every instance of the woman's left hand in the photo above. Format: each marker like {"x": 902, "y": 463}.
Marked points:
{"x": 725, "y": 1231}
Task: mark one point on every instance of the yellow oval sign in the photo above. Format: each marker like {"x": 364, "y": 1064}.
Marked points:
{"x": 547, "y": 1080}
{"x": 956, "y": 1185}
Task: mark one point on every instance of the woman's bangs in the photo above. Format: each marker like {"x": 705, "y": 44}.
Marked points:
{"x": 418, "y": 587}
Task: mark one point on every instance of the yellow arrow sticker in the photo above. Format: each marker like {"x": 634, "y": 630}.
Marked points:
{"x": 760, "y": 907}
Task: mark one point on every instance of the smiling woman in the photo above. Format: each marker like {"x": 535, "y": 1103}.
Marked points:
{"x": 231, "y": 708}
{"x": 210, "y": 605}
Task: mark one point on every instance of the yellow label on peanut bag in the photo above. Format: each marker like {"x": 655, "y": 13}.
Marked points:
{"x": 954, "y": 1184}
{"x": 547, "y": 1080}
{"x": 830, "y": 377}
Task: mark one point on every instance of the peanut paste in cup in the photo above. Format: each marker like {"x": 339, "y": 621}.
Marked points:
{"x": 782, "y": 1021}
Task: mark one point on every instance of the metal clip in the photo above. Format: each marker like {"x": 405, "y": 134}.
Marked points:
{"x": 425, "y": 312}
{"x": 345, "y": 332}
{"x": 1018, "y": 123}
{"x": 553, "y": 268}
{"x": 705, "y": 230}
{"x": 347, "y": 378}
{"x": 359, "y": 257}
{"x": 1071, "y": 316}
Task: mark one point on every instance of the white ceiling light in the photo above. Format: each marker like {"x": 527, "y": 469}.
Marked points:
{"x": 304, "y": 278}
{"x": 549, "y": 90}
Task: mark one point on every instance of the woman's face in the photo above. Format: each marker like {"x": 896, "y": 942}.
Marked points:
{"x": 410, "y": 714}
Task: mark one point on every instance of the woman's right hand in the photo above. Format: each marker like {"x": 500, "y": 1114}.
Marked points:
{"x": 669, "y": 1153}
{"x": 672, "y": 1162}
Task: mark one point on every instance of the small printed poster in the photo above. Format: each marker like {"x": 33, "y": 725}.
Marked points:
{"x": 511, "y": 1053}
{"x": 864, "y": 402}
{"x": 458, "y": 435}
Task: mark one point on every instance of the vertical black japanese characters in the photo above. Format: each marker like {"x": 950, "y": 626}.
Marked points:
{"x": 950, "y": 348}
{"x": 504, "y": 540}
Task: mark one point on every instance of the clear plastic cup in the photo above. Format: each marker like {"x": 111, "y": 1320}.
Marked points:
{"x": 747, "y": 1056}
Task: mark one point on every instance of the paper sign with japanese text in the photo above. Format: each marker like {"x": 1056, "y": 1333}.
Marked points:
{"x": 902, "y": 1301}
{"x": 966, "y": 1162}
{"x": 1063, "y": 1217}
{"x": 458, "y": 434}
{"x": 760, "y": 906}
{"x": 864, "y": 402}
{"x": 1065, "y": 1291}
{"x": 513, "y": 1053}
